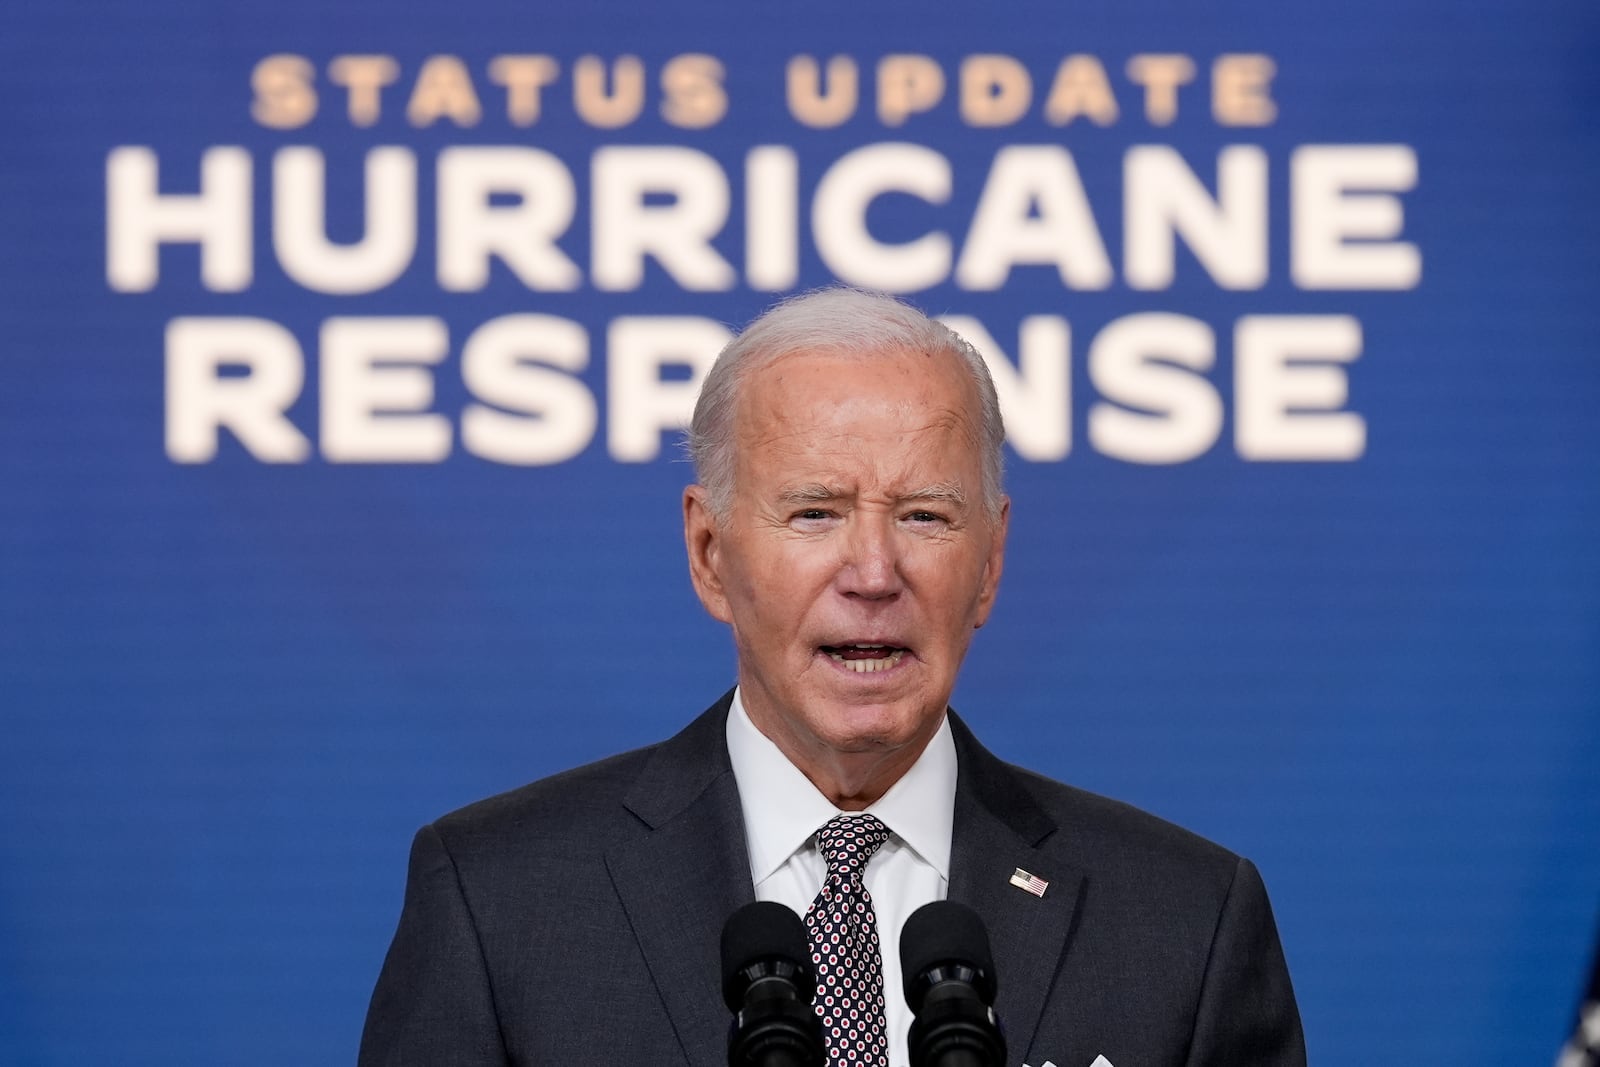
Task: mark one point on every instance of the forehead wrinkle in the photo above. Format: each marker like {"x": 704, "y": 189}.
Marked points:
{"x": 767, "y": 425}
{"x": 782, "y": 427}
{"x": 826, "y": 481}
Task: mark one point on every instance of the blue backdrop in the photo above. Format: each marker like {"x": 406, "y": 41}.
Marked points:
{"x": 284, "y": 577}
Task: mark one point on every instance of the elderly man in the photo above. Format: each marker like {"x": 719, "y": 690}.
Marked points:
{"x": 849, "y": 526}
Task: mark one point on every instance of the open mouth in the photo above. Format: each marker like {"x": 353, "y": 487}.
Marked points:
{"x": 864, "y": 658}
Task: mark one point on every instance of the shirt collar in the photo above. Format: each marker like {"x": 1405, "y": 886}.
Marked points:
{"x": 782, "y": 809}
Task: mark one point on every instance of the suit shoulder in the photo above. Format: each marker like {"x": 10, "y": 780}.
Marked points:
{"x": 571, "y": 802}
{"x": 576, "y": 814}
{"x": 1127, "y": 837}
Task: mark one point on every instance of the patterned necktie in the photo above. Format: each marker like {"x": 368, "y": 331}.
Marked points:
{"x": 844, "y": 946}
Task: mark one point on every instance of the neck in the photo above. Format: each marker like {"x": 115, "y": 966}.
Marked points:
{"x": 852, "y": 779}
{"x": 850, "y": 787}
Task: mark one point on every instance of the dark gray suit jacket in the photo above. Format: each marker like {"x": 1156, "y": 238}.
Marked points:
{"x": 576, "y": 921}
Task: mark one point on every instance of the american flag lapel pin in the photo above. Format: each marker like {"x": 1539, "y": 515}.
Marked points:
{"x": 1031, "y": 882}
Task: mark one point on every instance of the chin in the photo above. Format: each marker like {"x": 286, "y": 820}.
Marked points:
{"x": 864, "y": 728}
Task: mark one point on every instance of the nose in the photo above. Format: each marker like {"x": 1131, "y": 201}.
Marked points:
{"x": 871, "y": 565}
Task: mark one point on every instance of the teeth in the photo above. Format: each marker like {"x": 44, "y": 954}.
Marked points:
{"x": 869, "y": 666}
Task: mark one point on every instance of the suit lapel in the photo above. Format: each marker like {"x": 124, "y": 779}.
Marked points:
{"x": 998, "y": 829}
{"x": 685, "y": 876}
{"x": 689, "y": 871}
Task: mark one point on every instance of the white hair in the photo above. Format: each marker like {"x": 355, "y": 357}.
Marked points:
{"x": 835, "y": 320}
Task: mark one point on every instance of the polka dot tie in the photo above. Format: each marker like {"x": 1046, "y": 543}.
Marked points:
{"x": 844, "y": 946}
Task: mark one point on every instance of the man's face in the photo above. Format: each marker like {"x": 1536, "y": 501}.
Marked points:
{"x": 856, "y": 558}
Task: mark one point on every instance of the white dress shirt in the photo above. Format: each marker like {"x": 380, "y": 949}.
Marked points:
{"x": 783, "y": 812}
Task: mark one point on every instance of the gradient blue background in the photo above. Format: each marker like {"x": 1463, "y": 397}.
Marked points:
{"x": 230, "y": 692}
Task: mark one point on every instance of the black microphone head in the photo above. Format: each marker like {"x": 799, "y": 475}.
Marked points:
{"x": 761, "y": 935}
{"x": 945, "y": 935}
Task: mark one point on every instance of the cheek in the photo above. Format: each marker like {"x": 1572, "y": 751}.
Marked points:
{"x": 793, "y": 576}
{"x": 770, "y": 600}
{"x": 959, "y": 587}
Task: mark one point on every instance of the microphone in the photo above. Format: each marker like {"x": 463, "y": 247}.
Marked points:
{"x": 950, "y": 985}
{"x": 768, "y": 984}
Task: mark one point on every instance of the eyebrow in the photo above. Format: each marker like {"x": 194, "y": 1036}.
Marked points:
{"x": 814, "y": 493}
{"x": 817, "y": 492}
{"x": 948, "y": 492}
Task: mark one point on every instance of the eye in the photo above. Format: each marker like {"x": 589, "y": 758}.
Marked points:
{"x": 811, "y": 518}
{"x": 925, "y": 517}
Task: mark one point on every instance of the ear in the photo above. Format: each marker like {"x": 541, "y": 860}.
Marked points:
{"x": 703, "y": 538}
{"x": 996, "y": 562}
